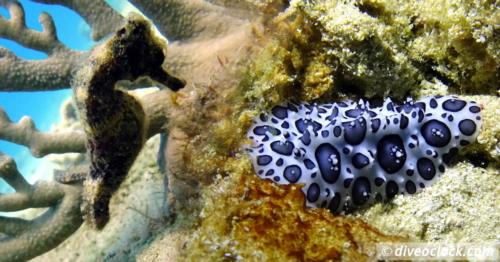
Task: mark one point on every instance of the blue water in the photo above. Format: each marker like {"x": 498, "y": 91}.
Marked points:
{"x": 42, "y": 107}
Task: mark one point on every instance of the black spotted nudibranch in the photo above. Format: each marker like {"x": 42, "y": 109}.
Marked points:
{"x": 349, "y": 154}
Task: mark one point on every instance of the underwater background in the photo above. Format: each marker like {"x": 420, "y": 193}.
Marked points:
{"x": 42, "y": 106}
{"x": 192, "y": 193}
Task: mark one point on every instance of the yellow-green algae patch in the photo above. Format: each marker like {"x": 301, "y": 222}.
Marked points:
{"x": 246, "y": 218}
{"x": 396, "y": 47}
{"x": 461, "y": 207}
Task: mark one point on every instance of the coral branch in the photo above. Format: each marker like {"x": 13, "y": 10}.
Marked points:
{"x": 184, "y": 19}
{"x": 26, "y": 239}
{"x": 16, "y": 29}
{"x": 40, "y": 144}
{"x": 97, "y": 13}
{"x": 22, "y": 75}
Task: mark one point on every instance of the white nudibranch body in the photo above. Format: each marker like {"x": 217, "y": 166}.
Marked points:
{"x": 350, "y": 155}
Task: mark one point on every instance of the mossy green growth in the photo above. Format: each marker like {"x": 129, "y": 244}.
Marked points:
{"x": 374, "y": 48}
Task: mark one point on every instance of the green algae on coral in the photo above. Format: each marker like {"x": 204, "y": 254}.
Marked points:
{"x": 382, "y": 48}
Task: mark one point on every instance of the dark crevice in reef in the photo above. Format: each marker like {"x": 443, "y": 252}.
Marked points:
{"x": 429, "y": 71}
{"x": 478, "y": 159}
{"x": 369, "y": 9}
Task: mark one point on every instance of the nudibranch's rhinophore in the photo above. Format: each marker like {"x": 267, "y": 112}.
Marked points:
{"x": 349, "y": 154}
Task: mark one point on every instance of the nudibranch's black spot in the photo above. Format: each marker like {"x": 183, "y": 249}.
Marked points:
{"x": 450, "y": 156}
{"x": 284, "y": 148}
{"x": 407, "y": 107}
{"x": 413, "y": 114}
{"x": 346, "y": 150}
{"x": 324, "y": 133}
{"x": 375, "y": 125}
{"x": 309, "y": 164}
{"x": 354, "y": 112}
{"x": 420, "y": 105}
{"x": 391, "y": 189}
{"x": 464, "y": 142}
{"x": 260, "y": 172}
{"x": 347, "y": 182}
{"x": 306, "y": 138}
{"x": 280, "y": 112}
{"x": 390, "y": 106}
{"x": 264, "y": 160}
{"x": 302, "y": 125}
{"x": 467, "y": 127}
{"x": 335, "y": 113}
{"x": 411, "y": 145}
{"x": 426, "y": 168}
{"x": 337, "y": 131}
{"x": 270, "y": 172}
{"x": 391, "y": 154}
{"x": 276, "y": 179}
{"x": 453, "y": 105}
{"x": 341, "y": 104}
{"x": 441, "y": 168}
{"x": 361, "y": 191}
{"x": 420, "y": 116}
{"x": 372, "y": 114}
{"x": 433, "y": 103}
{"x": 262, "y": 130}
{"x": 292, "y": 108}
{"x": 421, "y": 185}
{"x": 263, "y": 117}
{"x": 334, "y": 203}
{"x": 292, "y": 173}
{"x": 409, "y": 172}
{"x": 348, "y": 170}
{"x": 328, "y": 159}
{"x": 404, "y": 122}
{"x": 279, "y": 162}
{"x": 313, "y": 192}
{"x": 355, "y": 131}
{"x": 410, "y": 187}
{"x": 321, "y": 110}
{"x": 395, "y": 121}
{"x": 379, "y": 181}
{"x": 261, "y": 150}
{"x": 274, "y": 120}
{"x": 474, "y": 109}
{"x": 429, "y": 152}
{"x": 285, "y": 125}
{"x": 359, "y": 160}
{"x": 436, "y": 133}
{"x": 450, "y": 118}
{"x": 478, "y": 118}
